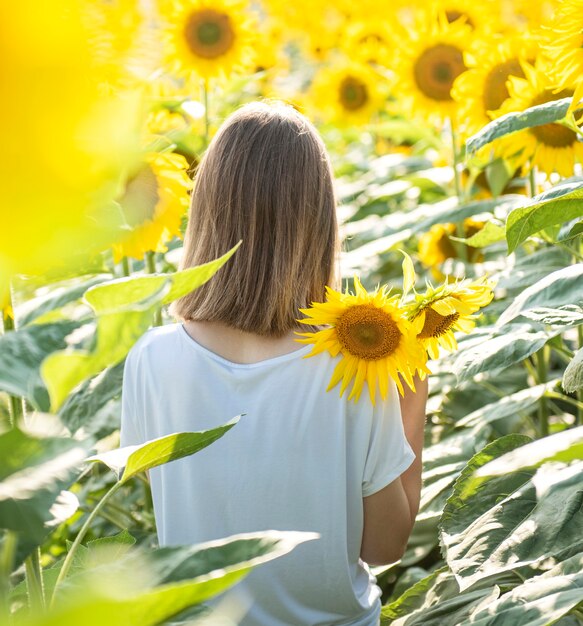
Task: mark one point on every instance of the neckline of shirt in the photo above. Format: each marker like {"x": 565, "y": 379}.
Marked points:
{"x": 213, "y": 355}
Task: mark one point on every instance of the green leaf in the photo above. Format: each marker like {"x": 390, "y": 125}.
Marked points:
{"x": 149, "y": 587}
{"x": 21, "y": 355}
{"x": 512, "y": 122}
{"x": 566, "y": 315}
{"x": 532, "y": 267}
{"x": 522, "y": 518}
{"x": 83, "y": 405}
{"x": 539, "y": 601}
{"x": 561, "y": 204}
{"x": 124, "y": 310}
{"x": 555, "y": 290}
{"x": 498, "y": 174}
{"x": 491, "y": 233}
{"x": 38, "y": 309}
{"x": 565, "y": 446}
{"x": 521, "y": 401}
{"x": 502, "y": 349}
{"x": 34, "y": 473}
{"x": 573, "y": 376}
{"x": 128, "y": 461}
{"x": 436, "y": 601}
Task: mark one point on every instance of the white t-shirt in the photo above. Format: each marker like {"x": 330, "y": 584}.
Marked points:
{"x": 299, "y": 459}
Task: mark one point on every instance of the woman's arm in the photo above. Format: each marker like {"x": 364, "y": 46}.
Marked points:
{"x": 390, "y": 513}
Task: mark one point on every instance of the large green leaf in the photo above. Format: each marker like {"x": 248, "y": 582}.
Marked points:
{"x": 84, "y": 404}
{"x": 565, "y": 446}
{"x": 512, "y": 122}
{"x": 567, "y": 315}
{"x": 124, "y": 309}
{"x": 149, "y": 587}
{"x": 34, "y": 472}
{"x": 436, "y": 601}
{"x": 509, "y": 405}
{"x": 558, "y": 289}
{"x": 523, "y": 518}
{"x": 539, "y": 601}
{"x": 532, "y": 267}
{"x": 556, "y": 206}
{"x": 128, "y": 461}
{"x": 503, "y": 348}
{"x": 21, "y": 355}
{"x": 41, "y": 308}
{"x": 442, "y": 463}
{"x": 573, "y": 376}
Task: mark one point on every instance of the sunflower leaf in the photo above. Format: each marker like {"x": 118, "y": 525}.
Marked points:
{"x": 513, "y": 122}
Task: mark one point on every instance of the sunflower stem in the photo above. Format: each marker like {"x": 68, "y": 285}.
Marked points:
{"x": 532, "y": 181}
{"x": 205, "y": 98}
{"x": 542, "y": 368}
{"x": 462, "y": 248}
{"x": 15, "y": 403}
{"x": 579, "y": 415}
{"x": 79, "y": 538}
{"x": 126, "y": 267}
{"x": 151, "y": 267}
{"x": 7, "y": 552}
{"x": 34, "y": 582}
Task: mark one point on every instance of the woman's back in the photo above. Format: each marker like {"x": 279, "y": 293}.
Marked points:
{"x": 299, "y": 459}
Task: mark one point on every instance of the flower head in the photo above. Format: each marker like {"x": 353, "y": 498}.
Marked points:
{"x": 372, "y": 334}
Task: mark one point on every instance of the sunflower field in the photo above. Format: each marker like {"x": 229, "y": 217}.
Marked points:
{"x": 454, "y": 129}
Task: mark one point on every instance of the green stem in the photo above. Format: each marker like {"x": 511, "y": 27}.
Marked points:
{"x": 542, "y": 359}
{"x": 79, "y": 538}
{"x": 151, "y": 267}
{"x": 34, "y": 582}
{"x": 532, "y": 181}
{"x": 14, "y": 402}
{"x": 567, "y": 399}
{"x": 125, "y": 266}
{"x": 205, "y": 98}
{"x": 579, "y": 415}
{"x": 6, "y": 564}
{"x": 461, "y": 248}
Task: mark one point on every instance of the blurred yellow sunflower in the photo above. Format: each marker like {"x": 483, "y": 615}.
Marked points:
{"x": 564, "y": 45}
{"x": 154, "y": 201}
{"x": 440, "y": 311}
{"x": 346, "y": 93}
{"x": 208, "y": 38}
{"x": 550, "y": 147}
{"x": 372, "y": 334}
{"x": 435, "y": 246}
{"x": 479, "y": 16}
{"x": 369, "y": 41}
{"x": 427, "y": 64}
{"x": 482, "y": 89}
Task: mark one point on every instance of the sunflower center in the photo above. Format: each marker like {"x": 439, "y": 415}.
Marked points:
{"x": 140, "y": 197}
{"x": 436, "y": 69}
{"x": 353, "y": 93}
{"x": 453, "y": 16}
{"x": 495, "y": 90}
{"x": 209, "y": 34}
{"x": 436, "y": 324}
{"x": 367, "y": 332}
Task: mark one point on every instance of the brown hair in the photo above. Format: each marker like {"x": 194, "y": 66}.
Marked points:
{"x": 265, "y": 179}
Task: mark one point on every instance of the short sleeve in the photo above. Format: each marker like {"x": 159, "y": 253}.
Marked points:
{"x": 389, "y": 453}
{"x": 129, "y": 432}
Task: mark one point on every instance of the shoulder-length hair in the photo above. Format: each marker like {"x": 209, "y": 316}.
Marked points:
{"x": 265, "y": 179}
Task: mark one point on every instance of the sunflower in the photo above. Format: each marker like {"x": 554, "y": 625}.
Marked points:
{"x": 481, "y": 17}
{"x": 435, "y": 246}
{"x": 154, "y": 201}
{"x": 482, "y": 89}
{"x": 208, "y": 38}
{"x": 373, "y": 336}
{"x": 440, "y": 311}
{"x": 428, "y": 63}
{"x": 550, "y": 147}
{"x": 369, "y": 42}
{"x": 346, "y": 93}
{"x": 565, "y": 45}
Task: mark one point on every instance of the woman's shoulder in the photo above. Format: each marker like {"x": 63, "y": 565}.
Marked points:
{"x": 154, "y": 339}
